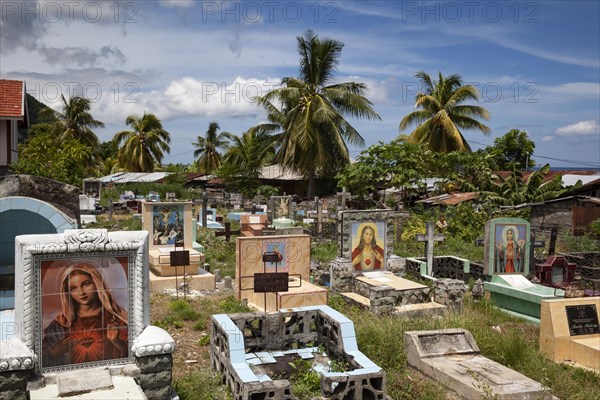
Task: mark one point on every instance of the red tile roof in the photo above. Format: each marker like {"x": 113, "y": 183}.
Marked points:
{"x": 11, "y": 98}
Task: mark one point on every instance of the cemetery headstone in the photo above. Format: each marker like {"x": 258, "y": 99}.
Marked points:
{"x": 452, "y": 358}
{"x": 570, "y": 331}
{"x": 294, "y": 251}
{"x": 53, "y": 327}
{"x": 507, "y": 246}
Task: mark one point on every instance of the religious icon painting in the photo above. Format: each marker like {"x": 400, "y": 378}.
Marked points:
{"x": 82, "y": 309}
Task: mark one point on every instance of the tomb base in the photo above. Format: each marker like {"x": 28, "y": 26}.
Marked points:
{"x": 123, "y": 387}
{"x": 201, "y": 280}
{"x": 161, "y": 266}
{"x": 408, "y": 310}
{"x": 305, "y": 295}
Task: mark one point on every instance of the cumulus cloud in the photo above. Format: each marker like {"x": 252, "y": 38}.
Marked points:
{"x": 580, "y": 128}
{"x": 547, "y": 138}
{"x": 190, "y": 97}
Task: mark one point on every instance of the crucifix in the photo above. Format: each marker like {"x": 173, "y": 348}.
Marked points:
{"x": 343, "y": 195}
{"x": 319, "y": 215}
{"x": 204, "y": 208}
{"x": 228, "y": 232}
{"x": 430, "y": 238}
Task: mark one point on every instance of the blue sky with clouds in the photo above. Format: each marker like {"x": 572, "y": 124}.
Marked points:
{"x": 536, "y": 63}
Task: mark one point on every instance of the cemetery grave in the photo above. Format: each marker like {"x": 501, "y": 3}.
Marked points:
{"x": 171, "y": 253}
{"x": 249, "y": 351}
{"x": 570, "y": 331}
{"x": 285, "y": 273}
{"x": 452, "y": 357}
{"x": 363, "y": 272}
{"x": 81, "y": 321}
{"x": 506, "y": 259}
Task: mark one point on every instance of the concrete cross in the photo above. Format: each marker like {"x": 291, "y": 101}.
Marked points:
{"x": 319, "y": 216}
{"x": 343, "y": 195}
{"x": 204, "y": 208}
{"x": 430, "y": 238}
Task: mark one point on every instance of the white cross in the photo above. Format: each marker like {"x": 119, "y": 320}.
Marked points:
{"x": 430, "y": 238}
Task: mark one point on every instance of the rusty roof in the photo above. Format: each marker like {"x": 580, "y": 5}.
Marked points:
{"x": 12, "y": 99}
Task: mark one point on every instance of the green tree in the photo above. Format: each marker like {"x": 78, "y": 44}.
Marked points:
{"x": 313, "y": 110}
{"x": 402, "y": 165}
{"x": 75, "y": 121}
{"x": 245, "y": 158}
{"x": 207, "y": 147}
{"x": 46, "y": 155}
{"x": 442, "y": 113}
{"x": 143, "y": 145}
{"x": 513, "y": 150}
{"x": 514, "y": 190}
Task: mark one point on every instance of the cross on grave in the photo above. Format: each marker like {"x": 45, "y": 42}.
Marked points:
{"x": 227, "y": 232}
{"x": 430, "y": 238}
{"x": 252, "y": 209}
{"x": 204, "y": 208}
{"x": 535, "y": 244}
{"x": 319, "y": 216}
{"x": 553, "y": 236}
{"x": 343, "y": 195}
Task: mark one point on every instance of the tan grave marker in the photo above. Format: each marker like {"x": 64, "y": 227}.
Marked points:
{"x": 570, "y": 331}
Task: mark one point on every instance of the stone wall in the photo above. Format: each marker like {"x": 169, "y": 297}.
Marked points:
{"x": 559, "y": 213}
{"x": 450, "y": 292}
{"x": 61, "y": 195}
{"x": 156, "y": 376}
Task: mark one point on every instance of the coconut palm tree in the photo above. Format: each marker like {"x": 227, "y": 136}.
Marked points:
{"x": 75, "y": 121}
{"x": 143, "y": 145}
{"x": 206, "y": 148}
{"x": 442, "y": 113}
{"x": 246, "y": 156}
{"x": 311, "y": 111}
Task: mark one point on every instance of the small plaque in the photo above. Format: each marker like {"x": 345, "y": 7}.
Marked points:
{"x": 539, "y": 243}
{"x": 583, "y": 319}
{"x": 180, "y": 258}
{"x": 270, "y": 282}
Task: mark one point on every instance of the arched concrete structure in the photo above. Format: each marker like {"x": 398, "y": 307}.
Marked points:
{"x": 22, "y": 216}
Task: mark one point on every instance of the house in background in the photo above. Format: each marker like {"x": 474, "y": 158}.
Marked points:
{"x": 13, "y": 114}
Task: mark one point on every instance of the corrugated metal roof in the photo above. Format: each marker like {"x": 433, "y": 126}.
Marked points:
{"x": 277, "y": 172}
{"x": 127, "y": 177}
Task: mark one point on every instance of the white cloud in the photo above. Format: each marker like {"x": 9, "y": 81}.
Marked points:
{"x": 547, "y": 138}
{"x": 579, "y": 129}
{"x": 176, "y": 3}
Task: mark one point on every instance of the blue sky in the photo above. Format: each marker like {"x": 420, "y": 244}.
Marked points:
{"x": 536, "y": 63}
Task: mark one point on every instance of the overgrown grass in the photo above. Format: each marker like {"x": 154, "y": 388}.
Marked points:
{"x": 516, "y": 346}
{"x": 324, "y": 251}
{"x": 219, "y": 253}
{"x": 202, "y": 385}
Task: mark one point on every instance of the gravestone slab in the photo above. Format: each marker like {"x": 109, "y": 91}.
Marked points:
{"x": 72, "y": 383}
{"x": 451, "y": 357}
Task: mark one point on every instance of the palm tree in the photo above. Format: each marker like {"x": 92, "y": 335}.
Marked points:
{"x": 311, "y": 116}
{"x": 206, "y": 148}
{"x": 143, "y": 146}
{"x": 443, "y": 114}
{"x": 246, "y": 156}
{"x": 75, "y": 121}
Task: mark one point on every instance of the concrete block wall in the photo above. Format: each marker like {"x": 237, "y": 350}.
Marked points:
{"x": 236, "y": 335}
{"x": 559, "y": 213}
{"x": 156, "y": 376}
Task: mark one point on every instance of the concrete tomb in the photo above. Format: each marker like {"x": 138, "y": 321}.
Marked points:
{"x": 272, "y": 272}
{"x": 451, "y": 357}
{"x": 281, "y": 212}
{"x": 172, "y": 253}
{"x": 55, "y": 349}
{"x": 364, "y": 272}
{"x": 253, "y": 224}
{"x": 570, "y": 331}
{"x": 506, "y": 259}
{"x": 253, "y": 352}
{"x": 556, "y": 271}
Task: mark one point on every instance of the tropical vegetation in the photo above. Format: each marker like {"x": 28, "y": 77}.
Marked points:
{"x": 143, "y": 146}
{"x": 209, "y": 158}
{"x": 442, "y": 114}
{"x": 310, "y": 111}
